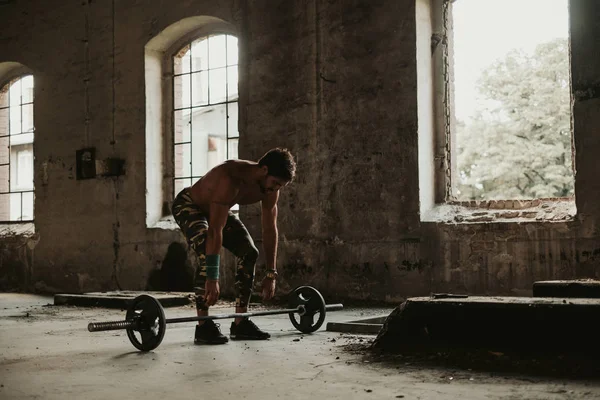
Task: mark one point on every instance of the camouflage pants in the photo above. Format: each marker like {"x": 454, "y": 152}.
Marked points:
{"x": 194, "y": 225}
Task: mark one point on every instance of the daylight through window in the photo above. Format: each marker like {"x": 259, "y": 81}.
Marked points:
{"x": 205, "y": 115}
{"x": 512, "y": 106}
{"x": 16, "y": 150}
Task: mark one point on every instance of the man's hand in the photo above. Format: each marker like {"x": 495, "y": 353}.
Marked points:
{"x": 268, "y": 288}
{"x": 211, "y": 292}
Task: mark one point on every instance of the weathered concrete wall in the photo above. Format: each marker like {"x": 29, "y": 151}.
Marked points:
{"x": 16, "y": 260}
{"x": 88, "y": 62}
{"x": 507, "y": 258}
{"x": 349, "y": 224}
{"x": 352, "y": 218}
{"x": 336, "y": 82}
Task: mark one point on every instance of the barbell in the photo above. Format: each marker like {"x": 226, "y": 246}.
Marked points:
{"x": 146, "y": 316}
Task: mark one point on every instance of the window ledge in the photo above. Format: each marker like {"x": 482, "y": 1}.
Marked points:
{"x": 24, "y": 229}
{"x": 502, "y": 211}
{"x": 166, "y": 223}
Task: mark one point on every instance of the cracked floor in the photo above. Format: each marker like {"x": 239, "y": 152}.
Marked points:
{"x": 46, "y": 352}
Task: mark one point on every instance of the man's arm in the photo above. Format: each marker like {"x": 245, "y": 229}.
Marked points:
{"x": 220, "y": 202}
{"x": 218, "y": 218}
{"x": 269, "y": 229}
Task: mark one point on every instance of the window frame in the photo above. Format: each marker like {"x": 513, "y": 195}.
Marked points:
{"x": 226, "y": 101}
{"x": 8, "y": 80}
{"x": 168, "y": 110}
{"x": 437, "y": 145}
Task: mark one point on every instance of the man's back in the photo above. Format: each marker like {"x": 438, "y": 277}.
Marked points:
{"x": 232, "y": 176}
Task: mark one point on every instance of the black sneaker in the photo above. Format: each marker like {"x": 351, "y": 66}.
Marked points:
{"x": 209, "y": 333}
{"x": 246, "y": 330}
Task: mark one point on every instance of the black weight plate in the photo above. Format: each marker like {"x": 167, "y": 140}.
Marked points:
{"x": 151, "y": 324}
{"x": 313, "y": 303}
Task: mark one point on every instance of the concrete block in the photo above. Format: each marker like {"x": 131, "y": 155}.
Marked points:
{"x": 522, "y": 324}
{"x": 584, "y": 288}
{"x": 120, "y": 299}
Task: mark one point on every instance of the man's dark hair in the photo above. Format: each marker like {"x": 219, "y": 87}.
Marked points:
{"x": 280, "y": 163}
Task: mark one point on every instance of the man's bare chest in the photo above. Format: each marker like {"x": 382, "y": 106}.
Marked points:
{"x": 249, "y": 194}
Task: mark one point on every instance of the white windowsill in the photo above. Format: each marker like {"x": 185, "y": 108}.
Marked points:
{"x": 168, "y": 222}
{"x": 165, "y": 223}
{"x": 17, "y": 229}
{"x": 503, "y": 211}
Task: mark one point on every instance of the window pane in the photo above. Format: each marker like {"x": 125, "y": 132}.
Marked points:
{"x": 181, "y": 64}
{"x": 15, "y": 93}
{"x": 218, "y": 85}
{"x": 15, "y": 207}
{"x": 216, "y": 48}
{"x": 217, "y": 151}
{"x": 4, "y": 150}
{"x": 209, "y": 135}
{"x": 232, "y": 50}
{"x": 27, "y": 205}
{"x": 181, "y": 91}
{"x": 232, "y": 120}
{"x": 19, "y": 208}
{"x": 199, "y": 89}
{"x": 213, "y": 62}
{"x": 27, "y": 88}
{"x": 27, "y": 114}
{"x": 4, "y": 97}
{"x": 4, "y": 207}
{"x": 232, "y": 83}
{"x": 200, "y": 55}
{"x": 511, "y": 100}
{"x": 232, "y": 148}
{"x": 24, "y": 169}
{"x": 182, "y": 126}
{"x": 182, "y": 160}
{"x": 15, "y": 120}
{"x": 4, "y": 177}
{"x": 4, "y": 122}
{"x": 177, "y": 68}
{"x": 180, "y": 184}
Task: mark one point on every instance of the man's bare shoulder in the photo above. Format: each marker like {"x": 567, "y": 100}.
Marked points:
{"x": 237, "y": 170}
{"x": 239, "y": 164}
{"x": 230, "y": 172}
{"x": 219, "y": 175}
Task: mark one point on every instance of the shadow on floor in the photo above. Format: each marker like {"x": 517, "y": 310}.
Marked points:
{"x": 176, "y": 273}
{"x": 465, "y": 361}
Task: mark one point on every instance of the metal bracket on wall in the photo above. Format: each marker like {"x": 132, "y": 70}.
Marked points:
{"x": 110, "y": 167}
{"x": 88, "y": 167}
{"x": 85, "y": 163}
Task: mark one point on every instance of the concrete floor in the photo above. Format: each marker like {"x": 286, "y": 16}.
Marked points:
{"x": 46, "y": 352}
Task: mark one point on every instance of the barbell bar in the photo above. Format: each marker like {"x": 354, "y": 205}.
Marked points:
{"x": 117, "y": 325}
{"x": 146, "y": 316}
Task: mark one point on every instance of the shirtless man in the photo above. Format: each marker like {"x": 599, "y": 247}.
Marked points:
{"x": 202, "y": 211}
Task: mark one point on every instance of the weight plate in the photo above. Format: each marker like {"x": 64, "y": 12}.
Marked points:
{"x": 314, "y": 305}
{"x": 150, "y": 322}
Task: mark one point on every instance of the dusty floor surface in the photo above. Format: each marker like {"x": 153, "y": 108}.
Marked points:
{"x": 46, "y": 352}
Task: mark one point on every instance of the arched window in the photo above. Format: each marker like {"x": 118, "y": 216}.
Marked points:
{"x": 205, "y": 107}
{"x": 16, "y": 150}
{"x": 191, "y": 79}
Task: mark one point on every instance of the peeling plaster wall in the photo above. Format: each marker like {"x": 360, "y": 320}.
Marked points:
{"x": 336, "y": 82}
